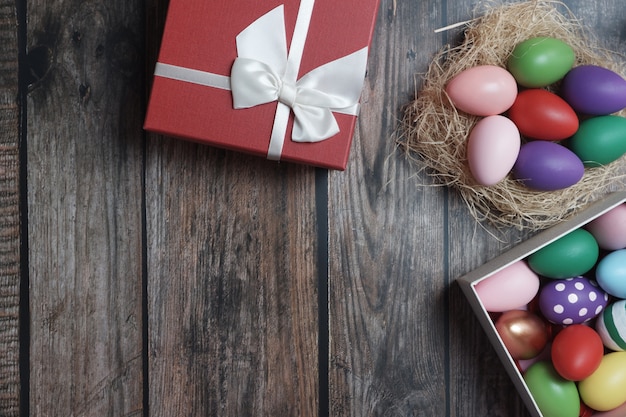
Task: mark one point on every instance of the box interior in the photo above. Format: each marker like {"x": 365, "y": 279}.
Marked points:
{"x": 521, "y": 251}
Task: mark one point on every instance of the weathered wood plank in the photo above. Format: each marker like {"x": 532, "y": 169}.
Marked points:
{"x": 9, "y": 214}
{"x": 478, "y": 381}
{"x": 232, "y": 295}
{"x": 387, "y": 243}
{"x": 232, "y": 291}
{"x": 248, "y": 296}
{"x": 469, "y": 379}
{"x": 231, "y": 244}
{"x": 84, "y": 199}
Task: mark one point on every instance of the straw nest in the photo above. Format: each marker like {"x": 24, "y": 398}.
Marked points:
{"x": 434, "y": 133}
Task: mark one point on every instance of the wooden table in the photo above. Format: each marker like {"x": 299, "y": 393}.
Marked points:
{"x": 146, "y": 276}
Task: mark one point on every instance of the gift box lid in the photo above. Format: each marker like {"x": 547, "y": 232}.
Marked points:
{"x": 293, "y": 69}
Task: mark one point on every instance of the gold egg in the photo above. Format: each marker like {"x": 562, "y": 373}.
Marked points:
{"x": 523, "y": 333}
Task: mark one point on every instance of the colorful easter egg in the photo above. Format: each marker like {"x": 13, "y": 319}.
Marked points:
{"x": 611, "y": 326}
{"x": 540, "y": 61}
{"x": 571, "y": 301}
{"x": 547, "y": 166}
{"x": 523, "y": 333}
{"x": 510, "y": 288}
{"x": 573, "y": 254}
{"x": 605, "y": 389}
{"x": 609, "y": 229}
{"x": 594, "y": 90}
{"x": 484, "y": 90}
{"x": 492, "y": 149}
{"x": 600, "y": 140}
{"x": 577, "y": 351}
{"x": 585, "y": 411}
{"x": 540, "y": 114}
{"x": 611, "y": 273}
{"x": 554, "y": 395}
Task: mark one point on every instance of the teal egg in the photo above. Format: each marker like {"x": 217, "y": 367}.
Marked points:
{"x": 611, "y": 273}
{"x": 555, "y": 396}
{"x": 600, "y": 140}
{"x": 611, "y": 326}
{"x": 541, "y": 61}
{"x": 569, "y": 256}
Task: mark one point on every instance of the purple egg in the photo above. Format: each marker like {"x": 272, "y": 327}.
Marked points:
{"x": 547, "y": 166}
{"x": 572, "y": 300}
{"x": 594, "y": 90}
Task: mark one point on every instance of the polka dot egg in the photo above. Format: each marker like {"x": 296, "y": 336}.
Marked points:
{"x": 572, "y": 300}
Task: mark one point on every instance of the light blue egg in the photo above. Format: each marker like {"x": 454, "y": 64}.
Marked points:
{"x": 611, "y": 273}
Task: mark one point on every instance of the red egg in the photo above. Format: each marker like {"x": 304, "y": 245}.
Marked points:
{"x": 523, "y": 333}
{"x": 540, "y": 114}
{"x": 577, "y": 351}
{"x": 585, "y": 410}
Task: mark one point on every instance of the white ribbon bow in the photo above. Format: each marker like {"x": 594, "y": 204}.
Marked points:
{"x": 264, "y": 72}
{"x": 313, "y": 98}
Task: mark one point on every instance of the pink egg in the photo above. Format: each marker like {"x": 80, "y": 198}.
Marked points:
{"x": 524, "y": 364}
{"x": 510, "y": 288}
{"x": 616, "y": 412}
{"x": 610, "y": 228}
{"x": 484, "y": 90}
{"x": 492, "y": 149}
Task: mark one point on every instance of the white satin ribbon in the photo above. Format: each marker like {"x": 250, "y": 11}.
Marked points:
{"x": 265, "y": 72}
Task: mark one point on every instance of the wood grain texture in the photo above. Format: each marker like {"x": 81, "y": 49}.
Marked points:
{"x": 235, "y": 252}
{"x": 387, "y": 244}
{"x": 232, "y": 268}
{"x": 85, "y": 113}
{"x": 9, "y": 214}
{"x": 478, "y": 381}
{"x": 232, "y": 290}
{"x": 403, "y": 339}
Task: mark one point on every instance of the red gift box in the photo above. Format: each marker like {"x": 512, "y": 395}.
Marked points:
{"x": 276, "y": 79}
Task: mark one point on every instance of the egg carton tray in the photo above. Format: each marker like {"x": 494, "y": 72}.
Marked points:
{"x": 469, "y": 281}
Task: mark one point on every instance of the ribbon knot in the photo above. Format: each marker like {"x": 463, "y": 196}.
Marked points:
{"x": 287, "y": 94}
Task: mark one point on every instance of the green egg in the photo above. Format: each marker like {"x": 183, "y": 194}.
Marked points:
{"x": 600, "y": 140}
{"x": 538, "y": 62}
{"x": 569, "y": 256}
{"x": 555, "y": 396}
